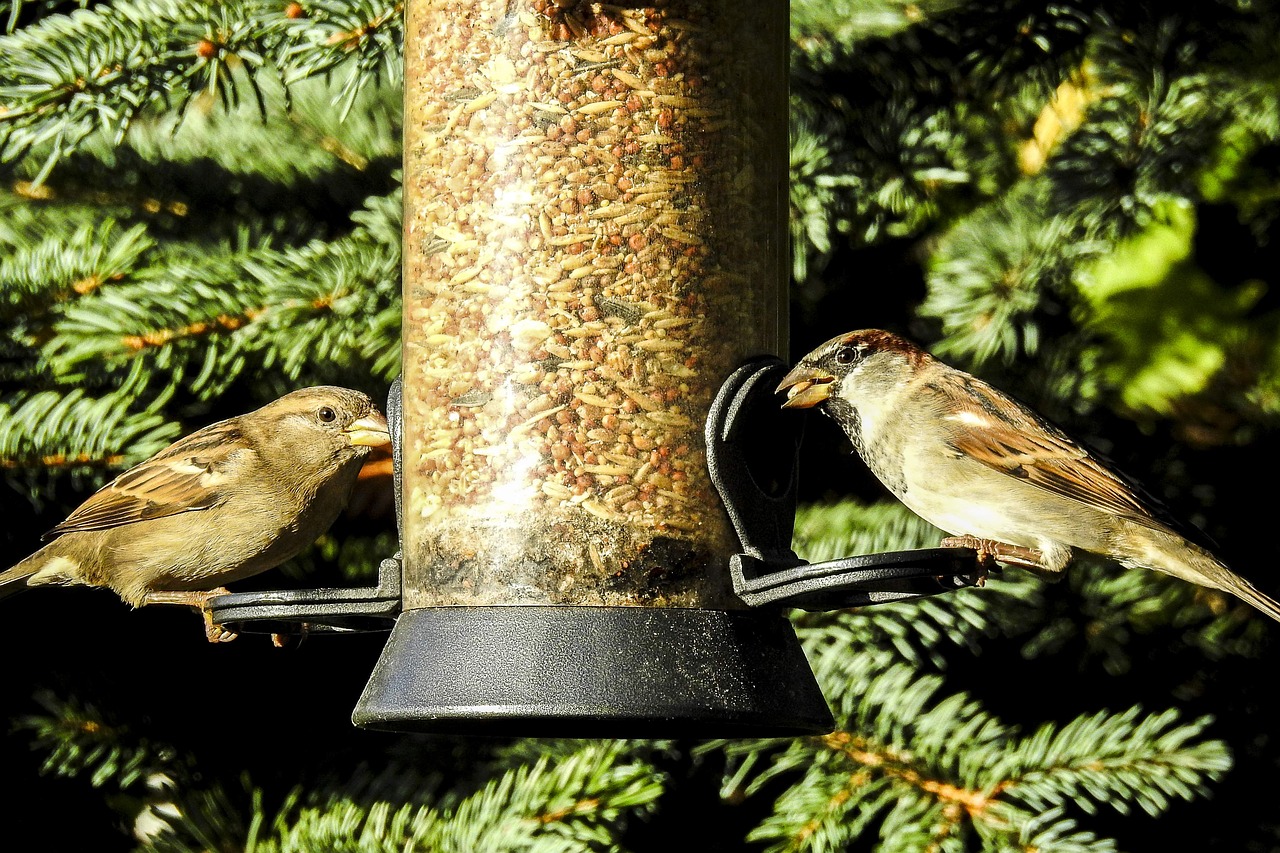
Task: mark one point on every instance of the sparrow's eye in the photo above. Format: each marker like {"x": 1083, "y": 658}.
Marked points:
{"x": 327, "y": 414}
{"x": 846, "y": 355}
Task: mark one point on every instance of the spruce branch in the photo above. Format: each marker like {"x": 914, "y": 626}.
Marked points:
{"x": 576, "y": 802}
{"x": 65, "y": 77}
{"x": 998, "y": 273}
{"x": 924, "y": 771}
{"x": 1120, "y": 760}
{"x": 81, "y": 741}
{"x": 180, "y": 321}
{"x": 54, "y": 432}
{"x": 56, "y": 267}
{"x": 362, "y": 37}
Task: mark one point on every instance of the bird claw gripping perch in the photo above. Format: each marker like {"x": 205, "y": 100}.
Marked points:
{"x": 752, "y": 451}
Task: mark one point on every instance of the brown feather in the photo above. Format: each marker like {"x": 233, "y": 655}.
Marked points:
{"x": 1005, "y": 435}
{"x": 184, "y": 477}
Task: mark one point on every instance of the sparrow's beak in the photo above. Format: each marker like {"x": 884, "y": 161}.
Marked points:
{"x": 805, "y": 386}
{"x": 369, "y": 431}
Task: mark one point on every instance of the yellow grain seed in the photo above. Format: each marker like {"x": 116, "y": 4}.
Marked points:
{"x": 578, "y": 364}
{"x": 558, "y": 491}
{"x": 671, "y": 419}
{"x": 620, "y": 494}
{"x": 682, "y": 236}
{"x": 588, "y": 55}
{"x": 598, "y": 107}
{"x": 635, "y": 26}
{"x": 540, "y": 403}
{"x": 607, "y": 470}
{"x": 675, "y": 368}
{"x": 620, "y": 38}
{"x": 593, "y": 400}
{"x": 524, "y": 425}
{"x": 480, "y": 103}
{"x": 675, "y": 101}
{"x": 659, "y": 345}
{"x": 669, "y": 176}
{"x": 608, "y": 211}
{"x": 550, "y": 108}
{"x": 465, "y": 274}
{"x": 629, "y": 462}
{"x": 601, "y": 511}
{"x": 643, "y": 400}
{"x": 641, "y": 214}
{"x": 454, "y": 116}
{"x": 628, "y": 78}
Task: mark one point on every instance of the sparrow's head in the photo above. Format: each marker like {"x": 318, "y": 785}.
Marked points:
{"x": 824, "y": 370}
{"x": 344, "y": 421}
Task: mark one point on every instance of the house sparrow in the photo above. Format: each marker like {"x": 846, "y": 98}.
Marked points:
{"x": 230, "y": 500}
{"x": 986, "y": 469}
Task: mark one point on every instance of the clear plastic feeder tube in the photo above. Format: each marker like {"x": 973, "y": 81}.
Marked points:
{"x": 594, "y": 239}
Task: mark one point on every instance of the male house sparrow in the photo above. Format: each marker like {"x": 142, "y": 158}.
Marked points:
{"x": 981, "y": 466}
{"x": 230, "y": 500}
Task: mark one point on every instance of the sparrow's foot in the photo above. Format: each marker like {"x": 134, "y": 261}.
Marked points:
{"x": 200, "y": 601}
{"x": 991, "y": 551}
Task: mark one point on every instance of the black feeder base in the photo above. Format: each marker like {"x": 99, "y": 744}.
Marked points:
{"x": 598, "y": 672}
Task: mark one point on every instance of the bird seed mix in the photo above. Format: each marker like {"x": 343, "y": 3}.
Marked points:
{"x": 594, "y": 239}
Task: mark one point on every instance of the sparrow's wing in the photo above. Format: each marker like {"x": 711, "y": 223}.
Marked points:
{"x": 186, "y": 476}
{"x": 998, "y": 431}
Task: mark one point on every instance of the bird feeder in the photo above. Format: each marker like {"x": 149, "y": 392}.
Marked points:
{"x": 596, "y": 481}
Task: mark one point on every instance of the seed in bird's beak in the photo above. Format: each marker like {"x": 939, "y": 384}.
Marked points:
{"x": 806, "y": 387}
{"x": 369, "y": 431}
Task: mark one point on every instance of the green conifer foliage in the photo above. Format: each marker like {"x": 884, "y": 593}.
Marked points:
{"x": 200, "y": 209}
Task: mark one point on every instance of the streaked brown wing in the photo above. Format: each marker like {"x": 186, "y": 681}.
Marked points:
{"x": 188, "y": 475}
{"x": 1002, "y": 433}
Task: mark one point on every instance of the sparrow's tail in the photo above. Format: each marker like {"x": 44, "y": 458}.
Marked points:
{"x": 14, "y": 580}
{"x": 1192, "y": 563}
{"x": 45, "y": 566}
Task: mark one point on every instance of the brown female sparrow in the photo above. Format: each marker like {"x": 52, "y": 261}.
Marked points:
{"x": 230, "y": 500}
{"x": 986, "y": 469}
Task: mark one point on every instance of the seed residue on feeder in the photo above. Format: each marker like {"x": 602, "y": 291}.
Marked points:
{"x": 591, "y": 248}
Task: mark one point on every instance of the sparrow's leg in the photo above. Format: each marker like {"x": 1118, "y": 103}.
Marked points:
{"x": 200, "y": 601}
{"x": 990, "y": 551}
